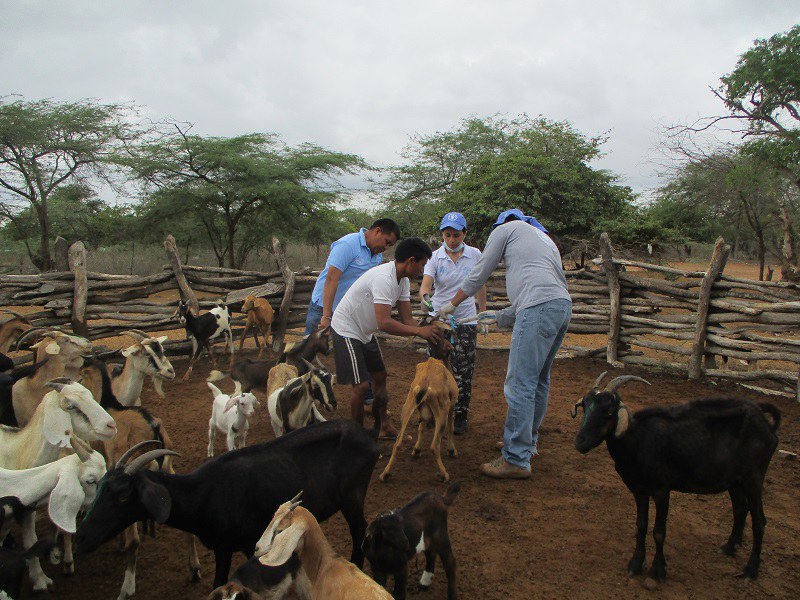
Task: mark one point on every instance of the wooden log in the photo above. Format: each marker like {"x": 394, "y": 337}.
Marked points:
{"x": 765, "y": 317}
{"x": 288, "y": 292}
{"x": 266, "y": 290}
{"x": 765, "y": 284}
{"x": 659, "y": 321}
{"x": 658, "y": 268}
{"x": 718, "y": 260}
{"x": 752, "y": 355}
{"x": 77, "y": 263}
{"x": 742, "y": 332}
{"x": 612, "y": 276}
{"x": 183, "y": 287}
{"x": 675, "y": 288}
{"x": 637, "y": 341}
{"x": 61, "y": 254}
{"x": 767, "y": 293}
{"x": 664, "y": 333}
{"x": 653, "y": 362}
{"x": 234, "y": 272}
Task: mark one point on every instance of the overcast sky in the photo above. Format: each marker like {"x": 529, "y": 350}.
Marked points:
{"x": 363, "y": 76}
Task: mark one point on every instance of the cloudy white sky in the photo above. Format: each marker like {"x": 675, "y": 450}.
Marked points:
{"x": 363, "y": 76}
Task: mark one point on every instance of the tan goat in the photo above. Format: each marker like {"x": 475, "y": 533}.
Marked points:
{"x": 294, "y": 529}
{"x": 11, "y": 329}
{"x": 279, "y": 376}
{"x": 433, "y": 396}
{"x": 260, "y": 315}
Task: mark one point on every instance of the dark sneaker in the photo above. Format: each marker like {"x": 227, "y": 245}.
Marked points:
{"x": 460, "y": 424}
{"x": 500, "y": 469}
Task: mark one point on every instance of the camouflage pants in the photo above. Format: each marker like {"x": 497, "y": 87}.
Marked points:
{"x": 462, "y": 359}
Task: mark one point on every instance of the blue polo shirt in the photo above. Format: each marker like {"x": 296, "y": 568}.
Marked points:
{"x": 351, "y": 255}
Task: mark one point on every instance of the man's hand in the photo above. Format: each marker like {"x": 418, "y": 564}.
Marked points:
{"x": 426, "y": 306}
{"x": 431, "y": 333}
{"x": 324, "y": 322}
{"x": 486, "y": 318}
{"x": 447, "y": 309}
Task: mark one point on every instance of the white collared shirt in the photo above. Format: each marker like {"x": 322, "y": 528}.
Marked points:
{"x": 448, "y": 276}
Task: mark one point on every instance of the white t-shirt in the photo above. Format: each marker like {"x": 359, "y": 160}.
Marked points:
{"x": 355, "y": 315}
{"x": 449, "y": 276}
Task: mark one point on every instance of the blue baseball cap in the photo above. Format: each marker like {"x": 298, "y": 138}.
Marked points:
{"x": 515, "y": 212}
{"x": 455, "y": 220}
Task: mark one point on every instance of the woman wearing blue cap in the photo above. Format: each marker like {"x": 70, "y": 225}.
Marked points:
{"x": 540, "y": 312}
{"x": 446, "y": 272}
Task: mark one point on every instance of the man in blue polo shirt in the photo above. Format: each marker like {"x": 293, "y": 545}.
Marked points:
{"x": 351, "y": 256}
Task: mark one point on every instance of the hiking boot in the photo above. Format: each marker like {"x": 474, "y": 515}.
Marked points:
{"x": 460, "y": 424}
{"x": 500, "y": 469}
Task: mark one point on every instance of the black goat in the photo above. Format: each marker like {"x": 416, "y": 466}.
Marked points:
{"x": 7, "y": 381}
{"x": 701, "y": 447}
{"x": 204, "y": 328}
{"x": 229, "y": 500}
{"x": 254, "y": 581}
{"x": 395, "y": 537}
{"x": 6, "y": 363}
{"x": 307, "y": 349}
{"x": 13, "y": 562}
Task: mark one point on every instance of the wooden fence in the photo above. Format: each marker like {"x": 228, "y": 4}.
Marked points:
{"x": 631, "y": 312}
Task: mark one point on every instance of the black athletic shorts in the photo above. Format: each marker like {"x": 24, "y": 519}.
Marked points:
{"x": 355, "y": 359}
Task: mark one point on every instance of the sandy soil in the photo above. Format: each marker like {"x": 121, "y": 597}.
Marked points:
{"x": 566, "y": 532}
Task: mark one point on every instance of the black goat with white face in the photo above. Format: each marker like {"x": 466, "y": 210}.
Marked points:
{"x": 701, "y": 447}
{"x": 204, "y": 328}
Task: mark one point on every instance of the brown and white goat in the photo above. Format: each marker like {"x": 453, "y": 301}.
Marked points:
{"x": 294, "y": 529}
{"x": 291, "y": 406}
{"x": 397, "y": 536}
{"x": 64, "y": 354}
{"x": 432, "y": 395}
{"x": 145, "y": 358}
{"x": 11, "y": 329}
{"x": 260, "y": 315}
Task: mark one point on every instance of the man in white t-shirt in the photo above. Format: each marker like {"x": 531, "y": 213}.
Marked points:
{"x": 367, "y": 308}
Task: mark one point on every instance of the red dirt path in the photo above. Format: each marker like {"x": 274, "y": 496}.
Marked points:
{"x": 566, "y": 532}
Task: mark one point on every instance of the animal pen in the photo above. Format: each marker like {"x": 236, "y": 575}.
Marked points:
{"x": 647, "y": 314}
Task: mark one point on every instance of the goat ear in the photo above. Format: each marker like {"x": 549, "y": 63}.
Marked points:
{"x": 126, "y": 352}
{"x": 57, "y": 426}
{"x": 52, "y": 348}
{"x": 286, "y": 542}
{"x": 66, "y": 500}
{"x": 155, "y": 498}
{"x": 162, "y": 338}
{"x": 231, "y": 403}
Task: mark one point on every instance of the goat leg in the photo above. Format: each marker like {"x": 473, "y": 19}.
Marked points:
{"x": 400, "y": 583}
{"x": 636, "y": 564}
{"x": 449, "y": 564}
{"x": 451, "y": 425}
{"x": 739, "y": 505}
{"x": 194, "y": 561}
{"x": 247, "y": 325}
{"x": 753, "y": 490}
{"x": 658, "y": 568}
{"x": 132, "y": 542}
{"x": 430, "y": 564}
{"x": 436, "y": 448}
{"x": 408, "y": 409}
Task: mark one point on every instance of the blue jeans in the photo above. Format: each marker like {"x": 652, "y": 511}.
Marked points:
{"x": 313, "y": 317}
{"x": 538, "y": 333}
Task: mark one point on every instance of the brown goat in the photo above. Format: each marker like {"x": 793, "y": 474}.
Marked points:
{"x": 11, "y": 329}
{"x": 259, "y": 316}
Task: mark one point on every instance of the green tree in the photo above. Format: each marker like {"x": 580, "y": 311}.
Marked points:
{"x": 46, "y": 144}
{"x": 240, "y": 189}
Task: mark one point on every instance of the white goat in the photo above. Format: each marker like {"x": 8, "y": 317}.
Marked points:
{"x": 294, "y": 529}
{"x": 145, "y": 358}
{"x": 66, "y": 410}
{"x": 66, "y": 486}
{"x": 233, "y": 423}
{"x": 64, "y": 354}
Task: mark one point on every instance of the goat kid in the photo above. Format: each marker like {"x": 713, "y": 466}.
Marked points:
{"x": 701, "y": 447}
{"x": 395, "y": 537}
{"x": 230, "y": 416}
{"x": 254, "y": 581}
{"x": 260, "y": 315}
{"x": 294, "y": 529}
{"x": 432, "y": 395}
{"x": 204, "y": 328}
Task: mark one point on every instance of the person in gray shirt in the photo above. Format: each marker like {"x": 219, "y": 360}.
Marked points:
{"x": 540, "y": 312}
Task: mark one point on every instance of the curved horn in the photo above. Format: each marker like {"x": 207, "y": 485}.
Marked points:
{"x": 574, "y": 411}
{"x": 30, "y": 332}
{"x": 295, "y": 502}
{"x": 140, "y": 461}
{"x": 22, "y": 318}
{"x": 309, "y": 366}
{"x": 596, "y": 384}
{"x": 622, "y": 380}
{"x": 81, "y": 448}
{"x": 135, "y": 334}
{"x": 125, "y": 457}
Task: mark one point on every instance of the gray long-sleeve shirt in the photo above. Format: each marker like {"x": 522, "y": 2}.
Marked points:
{"x": 534, "y": 273}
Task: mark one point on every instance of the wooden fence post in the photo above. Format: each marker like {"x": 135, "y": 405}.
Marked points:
{"x": 183, "y": 285}
{"x": 77, "y": 264}
{"x": 288, "y": 292}
{"x": 62, "y": 254}
{"x": 718, "y": 260}
{"x": 607, "y": 252}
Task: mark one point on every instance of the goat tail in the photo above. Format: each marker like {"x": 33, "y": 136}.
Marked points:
{"x": 451, "y": 492}
{"x": 419, "y": 395}
{"x": 772, "y": 411}
{"x": 217, "y": 376}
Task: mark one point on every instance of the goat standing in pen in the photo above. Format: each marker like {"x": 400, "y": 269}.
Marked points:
{"x": 260, "y": 315}
{"x": 700, "y": 447}
{"x": 433, "y": 395}
{"x": 204, "y": 328}
{"x": 230, "y": 415}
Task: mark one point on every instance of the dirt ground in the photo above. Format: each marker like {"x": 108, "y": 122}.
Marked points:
{"x": 566, "y": 532}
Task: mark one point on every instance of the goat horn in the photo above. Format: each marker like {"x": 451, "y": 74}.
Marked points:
{"x": 135, "y": 334}
{"x": 80, "y": 447}
{"x": 125, "y": 457}
{"x": 596, "y": 384}
{"x": 22, "y": 318}
{"x": 140, "y": 461}
{"x": 574, "y": 411}
{"x": 33, "y": 330}
{"x": 295, "y": 502}
{"x": 618, "y": 381}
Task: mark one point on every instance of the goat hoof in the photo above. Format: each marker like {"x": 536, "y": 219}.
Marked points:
{"x": 55, "y": 556}
{"x": 69, "y": 569}
{"x": 452, "y": 453}
{"x": 415, "y": 452}
{"x": 445, "y": 478}
{"x": 383, "y": 477}
{"x": 195, "y": 575}
{"x": 750, "y": 572}
{"x": 729, "y": 549}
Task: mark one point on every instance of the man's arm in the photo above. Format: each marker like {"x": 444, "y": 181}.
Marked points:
{"x": 385, "y": 322}
{"x": 481, "y": 298}
{"x": 328, "y": 294}
{"x": 405, "y": 311}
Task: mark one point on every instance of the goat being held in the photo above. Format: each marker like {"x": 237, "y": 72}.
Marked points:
{"x": 701, "y": 447}
{"x": 432, "y": 395}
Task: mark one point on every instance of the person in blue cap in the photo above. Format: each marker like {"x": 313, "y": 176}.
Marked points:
{"x": 445, "y": 272}
{"x": 540, "y": 312}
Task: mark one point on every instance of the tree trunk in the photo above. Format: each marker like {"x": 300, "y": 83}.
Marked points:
{"x": 762, "y": 251}
{"x": 44, "y": 242}
{"x": 790, "y": 270}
